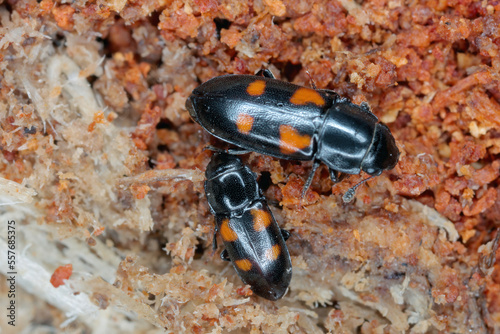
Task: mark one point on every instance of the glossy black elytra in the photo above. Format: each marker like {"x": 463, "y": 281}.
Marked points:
{"x": 277, "y": 118}
{"x": 253, "y": 241}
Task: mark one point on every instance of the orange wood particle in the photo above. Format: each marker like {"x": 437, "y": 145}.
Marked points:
{"x": 244, "y": 264}
{"x": 304, "y": 96}
{"x": 63, "y": 15}
{"x": 291, "y": 141}
{"x": 230, "y": 36}
{"x": 98, "y": 231}
{"x": 244, "y": 123}
{"x": 261, "y": 220}
{"x": 244, "y": 291}
{"x": 46, "y": 6}
{"x": 61, "y": 274}
{"x": 145, "y": 130}
{"x": 140, "y": 191}
{"x": 97, "y": 119}
{"x": 227, "y": 232}
{"x": 273, "y": 252}
{"x": 256, "y": 88}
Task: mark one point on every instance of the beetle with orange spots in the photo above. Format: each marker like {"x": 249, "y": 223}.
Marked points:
{"x": 253, "y": 241}
{"x": 277, "y": 118}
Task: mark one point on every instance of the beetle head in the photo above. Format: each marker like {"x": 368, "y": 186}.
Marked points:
{"x": 383, "y": 153}
{"x": 230, "y": 185}
{"x": 203, "y": 96}
{"x": 221, "y": 163}
{"x": 272, "y": 287}
{"x": 190, "y": 106}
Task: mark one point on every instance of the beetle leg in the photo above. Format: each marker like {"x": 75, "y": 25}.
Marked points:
{"x": 334, "y": 175}
{"x": 266, "y": 73}
{"x": 224, "y": 256}
{"x": 213, "y": 148}
{"x": 313, "y": 84}
{"x": 214, "y": 241}
{"x": 337, "y": 176}
{"x": 285, "y": 234}
{"x": 235, "y": 151}
{"x": 310, "y": 178}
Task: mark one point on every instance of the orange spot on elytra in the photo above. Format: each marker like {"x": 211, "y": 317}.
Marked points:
{"x": 227, "y": 232}
{"x": 291, "y": 140}
{"x": 244, "y": 264}
{"x": 273, "y": 253}
{"x": 261, "y": 220}
{"x": 256, "y": 88}
{"x": 244, "y": 123}
{"x": 304, "y": 96}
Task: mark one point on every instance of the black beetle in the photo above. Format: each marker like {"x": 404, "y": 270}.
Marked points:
{"x": 277, "y": 118}
{"x": 254, "y": 242}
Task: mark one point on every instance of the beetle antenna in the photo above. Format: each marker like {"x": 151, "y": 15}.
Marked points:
{"x": 310, "y": 178}
{"x": 349, "y": 194}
